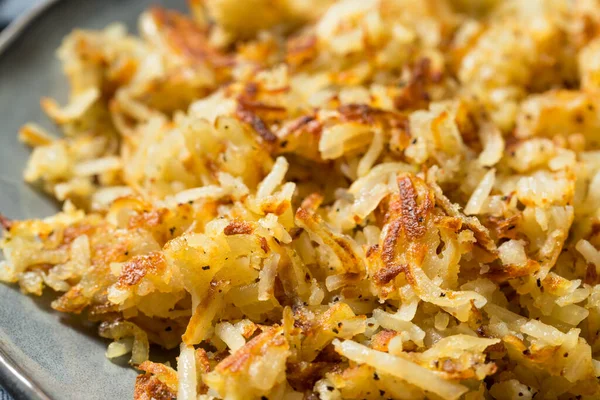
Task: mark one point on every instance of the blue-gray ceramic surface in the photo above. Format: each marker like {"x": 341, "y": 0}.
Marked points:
{"x": 45, "y": 354}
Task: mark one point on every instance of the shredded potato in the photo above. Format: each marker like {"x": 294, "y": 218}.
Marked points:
{"x": 329, "y": 199}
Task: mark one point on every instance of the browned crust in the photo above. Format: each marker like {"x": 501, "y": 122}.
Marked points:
{"x": 168, "y": 376}
{"x": 451, "y": 223}
{"x": 301, "y": 49}
{"x": 406, "y": 216}
{"x": 216, "y": 292}
{"x": 388, "y": 252}
{"x": 381, "y": 340}
{"x": 255, "y": 347}
{"x": 73, "y": 301}
{"x": 148, "y": 387}
{"x": 415, "y": 93}
{"x": 305, "y": 124}
{"x": 202, "y": 367}
{"x": 500, "y": 273}
{"x": 411, "y": 218}
{"x": 152, "y": 218}
{"x": 480, "y": 232}
{"x": 387, "y": 273}
{"x": 504, "y": 227}
{"x": 372, "y": 250}
{"x": 74, "y": 231}
{"x": 312, "y": 201}
{"x": 339, "y": 244}
{"x": 361, "y": 113}
{"x": 238, "y": 228}
{"x": 591, "y": 275}
{"x": 274, "y": 207}
{"x": 202, "y": 361}
{"x": 410, "y": 278}
{"x": 185, "y": 37}
{"x": 367, "y": 115}
{"x": 300, "y": 123}
{"x": 253, "y": 105}
{"x": 139, "y": 266}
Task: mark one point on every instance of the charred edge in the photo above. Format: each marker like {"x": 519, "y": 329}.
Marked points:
{"x": 410, "y": 218}
{"x": 249, "y": 117}
{"x": 387, "y": 273}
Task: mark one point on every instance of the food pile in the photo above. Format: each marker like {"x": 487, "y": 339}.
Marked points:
{"x": 361, "y": 199}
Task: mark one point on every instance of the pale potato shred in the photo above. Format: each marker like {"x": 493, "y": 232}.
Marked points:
{"x": 361, "y": 199}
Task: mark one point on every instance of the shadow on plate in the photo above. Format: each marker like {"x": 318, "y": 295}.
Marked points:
{"x": 88, "y": 328}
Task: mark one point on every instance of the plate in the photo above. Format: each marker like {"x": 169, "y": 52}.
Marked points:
{"x": 45, "y": 354}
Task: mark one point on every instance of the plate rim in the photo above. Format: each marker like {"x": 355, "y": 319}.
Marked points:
{"x": 14, "y": 379}
{"x": 21, "y": 23}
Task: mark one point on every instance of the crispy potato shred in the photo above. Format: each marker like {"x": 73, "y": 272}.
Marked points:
{"x": 354, "y": 199}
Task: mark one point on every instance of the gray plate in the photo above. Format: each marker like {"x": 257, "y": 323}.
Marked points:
{"x": 44, "y": 354}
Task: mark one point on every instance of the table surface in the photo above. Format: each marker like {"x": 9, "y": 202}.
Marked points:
{"x": 10, "y": 9}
